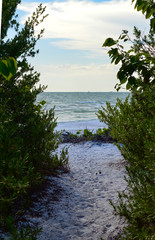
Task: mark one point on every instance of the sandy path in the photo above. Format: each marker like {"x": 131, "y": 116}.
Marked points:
{"x": 76, "y": 205}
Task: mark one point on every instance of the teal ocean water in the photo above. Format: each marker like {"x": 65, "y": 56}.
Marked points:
{"x": 78, "y": 106}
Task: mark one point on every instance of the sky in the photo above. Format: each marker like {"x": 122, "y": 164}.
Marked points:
{"x": 71, "y": 57}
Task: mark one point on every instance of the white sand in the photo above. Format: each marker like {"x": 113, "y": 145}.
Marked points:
{"x": 76, "y": 204}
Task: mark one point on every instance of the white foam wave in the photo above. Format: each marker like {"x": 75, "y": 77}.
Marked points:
{"x": 74, "y": 126}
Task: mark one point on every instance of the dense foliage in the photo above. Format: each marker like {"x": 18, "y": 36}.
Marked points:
{"x": 137, "y": 64}
{"x": 28, "y": 139}
{"x": 132, "y": 123}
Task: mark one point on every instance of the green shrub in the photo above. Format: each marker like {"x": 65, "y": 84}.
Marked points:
{"x": 26, "y": 233}
{"x": 102, "y": 131}
{"x": 28, "y": 140}
{"x": 87, "y": 133}
{"x": 78, "y": 132}
{"x": 132, "y": 124}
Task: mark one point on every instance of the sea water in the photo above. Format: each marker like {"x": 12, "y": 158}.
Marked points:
{"x": 77, "y": 106}
{"x": 77, "y": 110}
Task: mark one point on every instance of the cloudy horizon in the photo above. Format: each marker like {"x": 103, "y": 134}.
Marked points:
{"x": 71, "y": 56}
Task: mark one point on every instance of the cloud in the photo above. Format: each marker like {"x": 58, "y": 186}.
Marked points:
{"x": 84, "y": 25}
{"x": 74, "y": 77}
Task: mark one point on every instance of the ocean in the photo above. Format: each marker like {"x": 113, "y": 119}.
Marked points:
{"x": 77, "y": 110}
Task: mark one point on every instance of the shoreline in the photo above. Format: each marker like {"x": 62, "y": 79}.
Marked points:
{"x": 74, "y": 126}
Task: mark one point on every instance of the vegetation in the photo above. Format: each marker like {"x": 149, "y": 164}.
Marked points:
{"x": 27, "y": 137}
{"x": 102, "y": 131}
{"x": 8, "y": 67}
{"x": 88, "y": 135}
{"x": 132, "y": 124}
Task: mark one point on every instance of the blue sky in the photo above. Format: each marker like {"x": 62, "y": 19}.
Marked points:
{"x": 71, "y": 56}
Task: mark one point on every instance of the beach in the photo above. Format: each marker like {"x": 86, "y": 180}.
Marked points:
{"x": 75, "y": 205}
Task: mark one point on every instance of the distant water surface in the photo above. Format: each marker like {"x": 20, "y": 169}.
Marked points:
{"x": 78, "y": 106}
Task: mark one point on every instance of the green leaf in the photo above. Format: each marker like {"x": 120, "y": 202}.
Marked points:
{"x": 125, "y": 31}
{"x": 123, "y": 80}
{"x": 152, "y": 24}
{"x": 122, "y": 36}
{"x": 117, "y": 87}
{"x": 133, "y": 59}
{"x": 144, "y": 9}
{"x": 118, "y": 59}
{"x": 4, "y": 69}
{"x": 42, "y": 103}
{"x": 132, "y": 80}
{"x": 8, "y": 67}
{"x": 12, "y": 65}
{"x": 130, "y": 68}
{"x": 113, "y": 59}
{"x": 140, "y": 7}
{"x": 109, "y": 42}
{"x": 149, "y": 12}
{"x": 128, "y": 86}
{"x": 113, "y": 53}
{"x": 121, "y": 75}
